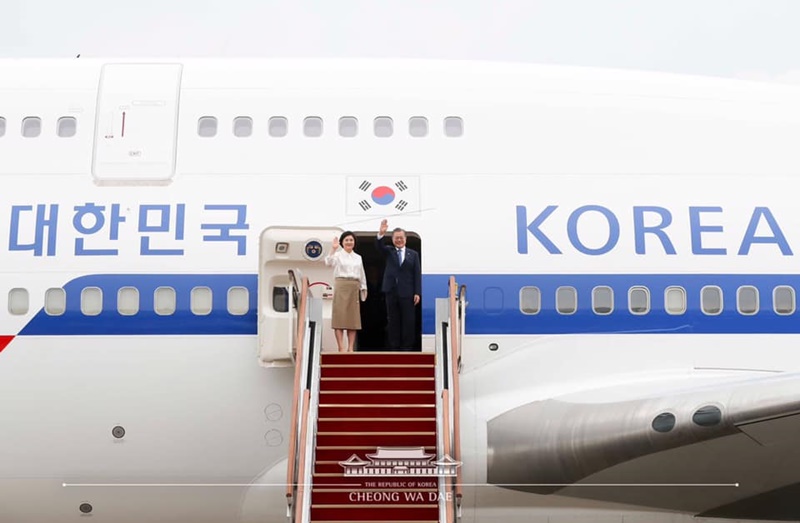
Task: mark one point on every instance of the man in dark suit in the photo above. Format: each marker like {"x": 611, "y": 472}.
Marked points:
{"x": 402, "y": 286}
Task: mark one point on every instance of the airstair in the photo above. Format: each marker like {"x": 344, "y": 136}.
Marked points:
{"x": 375, "y": 435}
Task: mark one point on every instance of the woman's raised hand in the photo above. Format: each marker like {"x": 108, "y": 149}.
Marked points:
{"x": 335, "y": 244}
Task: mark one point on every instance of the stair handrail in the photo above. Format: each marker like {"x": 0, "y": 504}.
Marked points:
{"x": 294, "y": 299}
{"x": 300, "y": 490}
{"x": 455, "y": 362}
{"x": 442, "y": 407}
{"x": 448, "y": 481}
{"x": 308, "y": 434}
{"x": 298, "y": 399}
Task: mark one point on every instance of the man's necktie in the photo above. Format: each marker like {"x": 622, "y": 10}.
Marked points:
{"x": 399, "y": 257}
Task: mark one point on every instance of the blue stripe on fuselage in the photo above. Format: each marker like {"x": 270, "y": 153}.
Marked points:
{"x": 146, "y": 321}
{"x": 493, "y": 305}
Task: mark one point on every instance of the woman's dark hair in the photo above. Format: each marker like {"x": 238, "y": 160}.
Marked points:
{"x": 344, "y": 235}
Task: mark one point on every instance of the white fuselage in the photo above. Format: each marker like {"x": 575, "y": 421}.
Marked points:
{"x": 557, "y": 178}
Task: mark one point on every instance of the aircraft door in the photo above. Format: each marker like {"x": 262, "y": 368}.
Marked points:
{"x": 281, "y": 250}
{"x": 137, "y": 123}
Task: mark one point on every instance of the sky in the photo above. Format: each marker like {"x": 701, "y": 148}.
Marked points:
{"x": 753, "y": 39}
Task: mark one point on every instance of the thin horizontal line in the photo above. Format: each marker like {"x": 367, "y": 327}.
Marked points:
{"x": 379, "y": 505}
{"x": 372, "y": 447}
{"x": 328, "y": 462}
{"x": 377, "y": 419}
{"x": 387, "y": 478}
{"x": 372, "y": 489}
{"x": 736, "y": 485}
{"x": 381, "y": 378}
{"x": 377, "y": 405}
{"x": 379, "y": 366}
{"x": 376, "y": 352}
{"x": 380, "y": 521}
{"x": 370, "y": 433}
{"x": 361, "y": 392}
{"x": 203, "y": 485}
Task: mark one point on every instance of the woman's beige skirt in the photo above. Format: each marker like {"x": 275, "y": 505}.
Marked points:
{"x": 346, "y": 304}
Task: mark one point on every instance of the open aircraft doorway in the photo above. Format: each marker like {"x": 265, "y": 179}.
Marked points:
{"x": 373, "y": 312}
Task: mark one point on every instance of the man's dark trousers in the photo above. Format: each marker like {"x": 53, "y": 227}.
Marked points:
{"x": 401, "y": 315}
{"x": 400, "y": 284}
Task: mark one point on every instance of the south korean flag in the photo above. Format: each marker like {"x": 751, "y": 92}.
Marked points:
{"x": 382, "y": 195}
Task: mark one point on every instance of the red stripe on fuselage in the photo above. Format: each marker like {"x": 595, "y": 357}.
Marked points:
{"x": 4, "y": 341}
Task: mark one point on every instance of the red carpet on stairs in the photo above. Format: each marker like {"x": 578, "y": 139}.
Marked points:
{"x": 367, "y": 401}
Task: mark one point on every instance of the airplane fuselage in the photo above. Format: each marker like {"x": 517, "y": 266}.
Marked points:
{"x": 628, "y": 242}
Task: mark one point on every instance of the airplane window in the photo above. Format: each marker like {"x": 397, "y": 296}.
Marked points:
{"x": 18, "y": 301}
{"x": 711, "y": 300}
{"x": 91, "y": 301}
{"x": 418, "y": 126}
{"x": 747, "y": 300}
{"x": 207, "y": 127}
{"x": 603, "y": 300}
{"x": 278, "y": 126}
{"x": 530, "y": 300}
{"x": 66, "y": 127}
{"x": 128, "y": 301}
{"x": 453, "y": 126}
{"x": 383, "y": 126}
{"x": 238, "y": 301}
{"x": 164, "y": 301}
{"x": 242, "y": 126}
{"x": 664, "y": 422}
{"x": 707, "y": 416}
{"x": 55, "y": 301}
{"x": 200, "y": 301}
{"x": 312, "y": 127}
{"x": 2, "y": 126}
{"x": 675, "y": 300}
{"x": 783, "y": 300}
{"x": 31, "y": 127}
{"x": 348, "y": 126}
{"x": 639, "y": 300}
{"x": 280, "y": 299}
{"x": 566, "y": 300}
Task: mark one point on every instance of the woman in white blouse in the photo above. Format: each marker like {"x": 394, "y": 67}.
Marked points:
{"x": 350, "y": 283}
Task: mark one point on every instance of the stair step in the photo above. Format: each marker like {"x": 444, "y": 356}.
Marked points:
{"x": 328, "y": 467}
{"x": 331, "y": 480}
{"x": 377, "y": 439}
{"x": 377, "y": 384}
{"x": 377, "y": 397}
{"x": 377, "y": 411}
{"x": 382, "y": 358}
{"x": 369, "y": 426}
{"x": 377, "y": 370}
{"x": 355, "y": 512}
{"x": 341, "y": 453}
{"x": 378, "y": 521}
